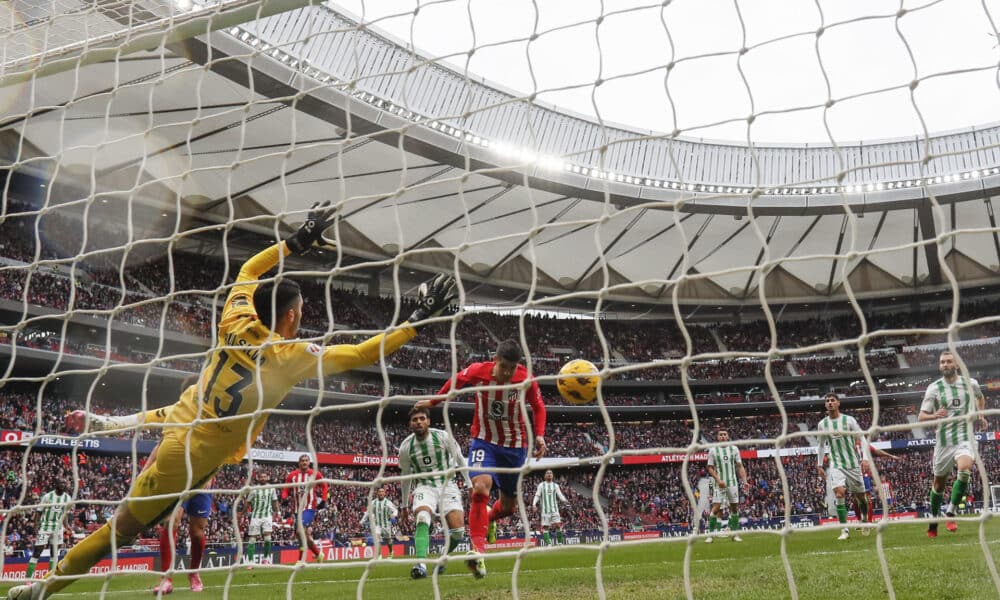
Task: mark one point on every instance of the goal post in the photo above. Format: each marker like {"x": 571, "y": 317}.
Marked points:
{"x": 141, "y": 173}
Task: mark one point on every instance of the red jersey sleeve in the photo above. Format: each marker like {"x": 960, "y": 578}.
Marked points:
{"x": 462, "y": 379}
{"x": 534, "y": 398}
{"x": 286, "y": 491}
{"x": 324, "y": 488}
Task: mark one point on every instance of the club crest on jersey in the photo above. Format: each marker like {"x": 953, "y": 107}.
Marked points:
{"x": 314, "y": 349}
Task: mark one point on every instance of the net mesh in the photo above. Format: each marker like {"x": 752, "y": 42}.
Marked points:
{"x": 152, "y": 147}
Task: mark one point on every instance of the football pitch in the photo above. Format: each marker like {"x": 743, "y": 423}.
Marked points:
{"x": 951, "y": 566}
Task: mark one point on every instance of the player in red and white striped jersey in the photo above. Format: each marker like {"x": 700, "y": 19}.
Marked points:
{"x": 499, "y": 434}
{"x": 309, "y": 497}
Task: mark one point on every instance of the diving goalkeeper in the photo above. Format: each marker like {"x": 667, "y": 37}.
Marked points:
{"x": 255, "y": 364}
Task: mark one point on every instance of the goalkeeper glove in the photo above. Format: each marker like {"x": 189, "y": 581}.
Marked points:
{"x": 311, "y": 231}
{"x": 434, "y": 297}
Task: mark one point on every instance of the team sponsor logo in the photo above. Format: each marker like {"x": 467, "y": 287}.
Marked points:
{"x": 641, "y": 535}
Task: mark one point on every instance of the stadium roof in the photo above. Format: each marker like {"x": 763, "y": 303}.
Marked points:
{"x": 435, "y": 169}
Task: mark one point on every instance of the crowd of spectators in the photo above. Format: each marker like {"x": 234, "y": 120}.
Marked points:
{"x": 630, "y": 496}
{"x": 182, "y": 292}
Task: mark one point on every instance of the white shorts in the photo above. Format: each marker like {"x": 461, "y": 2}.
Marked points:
{"x": 551, "y": 519}
{"x": 727, "y": 496}
{"x": 846, "y": 478}
{"x": 44, "y": 538}
{"x": 261, "y": 525}
{"x": 945, "y": 456}
{"x": 441, "y": 501}
{"x": 383, "y": 534}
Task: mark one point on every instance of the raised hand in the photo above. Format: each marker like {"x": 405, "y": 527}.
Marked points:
{"x": 433, "y": 297}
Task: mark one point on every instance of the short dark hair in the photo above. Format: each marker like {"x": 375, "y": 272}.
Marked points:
{"x": 833, "y": 395}
{"x": 283, "y": 293}
{"x": 417, "y": 410}
{"x": 509, "y": 350}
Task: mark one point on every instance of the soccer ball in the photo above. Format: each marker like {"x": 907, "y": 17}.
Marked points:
{"x": 578, "y": 381}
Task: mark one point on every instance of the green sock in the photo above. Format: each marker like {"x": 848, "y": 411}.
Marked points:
{"x": 935, "y": 503}
{"x": 713, "y": 523}
{"x": 267, "y": 550}
{"x": 251, "y": 546}
{"x": 453, "y": 542}
{"x": 841, "y": 511}
{"x": 422, "y": 540}
{"x": 547, "y": 538}
{"x": 31, "y": 567}
{"x": 734, "y": 522}
{"x": 958, "y": 490}
{"x": 561, "y": 536}
{"x": 862, "y": 509}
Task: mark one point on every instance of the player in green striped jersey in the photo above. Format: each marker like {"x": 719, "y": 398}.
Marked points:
{"x": 262, "y": 504}
{"x": 429, "y": 454}
{"x": 949, "y": 397}
{"x": 380, "y": 516}
{"x": 725, "y": 467}
{"x": 841, "y": 434}
{"x": 549, "y": 493}
{"x": 52, "y": 506}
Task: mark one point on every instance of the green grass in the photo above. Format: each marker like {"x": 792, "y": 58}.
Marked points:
{"x": 952, "y": 566}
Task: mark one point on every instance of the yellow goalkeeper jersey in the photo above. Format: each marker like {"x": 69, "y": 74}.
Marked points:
{"x": 253, "y": 369}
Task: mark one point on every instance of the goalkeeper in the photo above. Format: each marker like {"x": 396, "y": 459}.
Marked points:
{"x": 255, "y": 364}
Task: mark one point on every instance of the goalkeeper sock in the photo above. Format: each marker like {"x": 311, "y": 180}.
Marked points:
{"x": 842, "y": 510}
{"x": 545, "y": 536}
{"x": 422, "y": 538}
{"x": 734, "y": 522}
{"x": 31, "y": 567}
{"x": 478, "y": 521}
{"x": 713, "y": 523}
{"x": 958, "y": 490}
{"x": 81, "y": 558}
{"x": 166, "y": 549}
{"x": 935, "y": 503}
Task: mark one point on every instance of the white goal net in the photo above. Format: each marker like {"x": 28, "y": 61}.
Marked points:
{"x": 560, "y": 161}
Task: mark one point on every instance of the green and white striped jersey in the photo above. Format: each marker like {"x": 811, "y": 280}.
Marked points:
{"x": 958, "y": 398}
{"x": 548, "y": 492}
{"x": 429, "y": 458}
{"x": 380, "y": 514}
{"x": 725, "y": 460}
{"x": 261, "y": 501}
{"x": 843, "y": 436}
{"x": 52, "y": 516}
